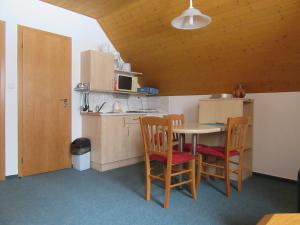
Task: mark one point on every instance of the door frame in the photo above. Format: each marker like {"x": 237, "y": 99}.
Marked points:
{"x": 20, "y": 95}
{"x": 20, "y": 98}
{"x": 2, "y": 101}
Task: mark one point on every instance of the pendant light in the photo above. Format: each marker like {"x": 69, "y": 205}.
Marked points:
{"x": 191, "y": 19}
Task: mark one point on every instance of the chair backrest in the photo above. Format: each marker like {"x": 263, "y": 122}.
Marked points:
{"x": 177, "y": 120}
{"x": 236, "y": 134}
{"x": 157, "y": 136}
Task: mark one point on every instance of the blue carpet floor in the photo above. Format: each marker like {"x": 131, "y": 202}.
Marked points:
{"x": 70, "y": 197}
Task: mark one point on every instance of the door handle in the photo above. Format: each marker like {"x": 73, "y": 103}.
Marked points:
{"x": 65, "y": 100}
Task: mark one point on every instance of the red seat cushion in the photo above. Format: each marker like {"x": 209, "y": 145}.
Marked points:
{"x": 177, "y": 157}
{"x": 187, "y": 147}
{"x": 216, "y": 151}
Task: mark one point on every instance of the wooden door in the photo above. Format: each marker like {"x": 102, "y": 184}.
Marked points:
{"x": 44, "y": 101}
{"x": 2, "y": 101}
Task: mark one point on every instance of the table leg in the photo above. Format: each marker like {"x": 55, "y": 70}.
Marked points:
{"x": 194, "y": 150}
{"x": 181, "y": 141}
{"x": 194, "y": 144}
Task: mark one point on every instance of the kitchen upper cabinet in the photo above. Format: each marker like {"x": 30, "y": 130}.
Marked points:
{"x": 97, "y": 69}
{"x": 116, "y": 140}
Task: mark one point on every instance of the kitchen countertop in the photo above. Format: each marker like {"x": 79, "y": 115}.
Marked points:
{"x": 122, "y": 114}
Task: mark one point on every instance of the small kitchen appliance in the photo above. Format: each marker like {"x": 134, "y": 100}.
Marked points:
{"x": 117, "y": 107}
{"x": 126, "y": 83}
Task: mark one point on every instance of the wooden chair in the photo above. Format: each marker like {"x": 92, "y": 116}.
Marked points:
{"x": 177, "y": 120}
{"x": 234, "y": 146}
{"x": 157, "y": 136}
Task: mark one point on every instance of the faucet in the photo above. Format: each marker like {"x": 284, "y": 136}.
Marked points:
{"x": 98, "y": 108}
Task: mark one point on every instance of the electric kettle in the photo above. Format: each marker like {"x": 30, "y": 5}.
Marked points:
{"x": 117, "y": 107}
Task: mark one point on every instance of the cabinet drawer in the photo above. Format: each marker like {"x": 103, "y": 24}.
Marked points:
{"x": 131, "y": 120}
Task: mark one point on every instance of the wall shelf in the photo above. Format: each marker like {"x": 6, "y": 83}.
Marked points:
{"x": 82, "y": 90}
{"x": 128, "y": 73}
{"x": 115, "y": 92}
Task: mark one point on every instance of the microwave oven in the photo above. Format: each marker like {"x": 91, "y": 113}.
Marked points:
{"x": 126, "y": 83}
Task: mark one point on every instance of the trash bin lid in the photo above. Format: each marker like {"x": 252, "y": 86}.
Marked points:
{"x": 80, "y": 146}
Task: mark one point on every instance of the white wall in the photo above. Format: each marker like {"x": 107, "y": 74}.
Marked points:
{"x": 276, "y": 130}
{"x": 85, "y": 33}
{"x": 276, "y": 134}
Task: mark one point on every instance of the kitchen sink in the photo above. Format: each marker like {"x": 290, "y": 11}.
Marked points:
{"x": 143, "y": 111}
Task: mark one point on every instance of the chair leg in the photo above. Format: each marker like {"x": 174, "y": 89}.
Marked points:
{"x": 192, "y": 177}
{"x": 240, "y": 173}
{"x": 199, "y": 170}
{"x": 227, "y": 178}
{"x": 219, "y": 171}
{"x": 164, "y": 170}
{"x": 205, "y": 168}
{"x": 148, "y": 180}
{"x": 167, "y": 185}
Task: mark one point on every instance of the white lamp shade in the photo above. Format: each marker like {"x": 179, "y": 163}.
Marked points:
{"x": 191, "y": 19}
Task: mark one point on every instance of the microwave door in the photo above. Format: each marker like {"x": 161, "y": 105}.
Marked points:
{"x": 125, "y": 83}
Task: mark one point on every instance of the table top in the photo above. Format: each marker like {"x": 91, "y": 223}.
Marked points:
{"x": 197, "y": 128}
{"x": 280, "y": 219}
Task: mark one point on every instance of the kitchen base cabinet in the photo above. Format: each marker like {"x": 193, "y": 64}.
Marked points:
{"x": 116, "y": 140}
{"x": 217, "y": 111}
{"x": 113, "y": 165}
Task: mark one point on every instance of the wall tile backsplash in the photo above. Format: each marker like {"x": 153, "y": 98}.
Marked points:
{"x": 127, "y": 102}
{"x": 159, "y": 102}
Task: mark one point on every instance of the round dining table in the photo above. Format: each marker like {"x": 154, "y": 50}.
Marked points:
{"x": 195, "y": 128}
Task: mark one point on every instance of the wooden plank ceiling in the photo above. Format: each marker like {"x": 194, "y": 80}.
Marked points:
{"x": 253, "y": 42}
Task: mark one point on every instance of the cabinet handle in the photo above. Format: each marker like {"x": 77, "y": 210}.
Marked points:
{"x": 128, "y": 131}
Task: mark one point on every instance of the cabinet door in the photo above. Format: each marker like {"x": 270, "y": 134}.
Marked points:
{"x": 121, "y": 138}
{"x": 97, "y": 69}
{"x": 207, "y": 112}
{"x": 135, "y": 141}
{"x": 228, "y": 108}
{"x": 91, "y": 128}
{"x": 134, "y": 135}
{"x": 114, "y": 139}
{"x": 211, "y": 111}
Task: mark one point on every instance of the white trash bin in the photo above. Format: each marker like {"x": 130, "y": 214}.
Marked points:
{"x": 82, "y": 162}
{"x": 81, "y": 153}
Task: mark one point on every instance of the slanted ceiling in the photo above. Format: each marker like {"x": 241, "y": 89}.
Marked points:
{"x": 253, "y": 42}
